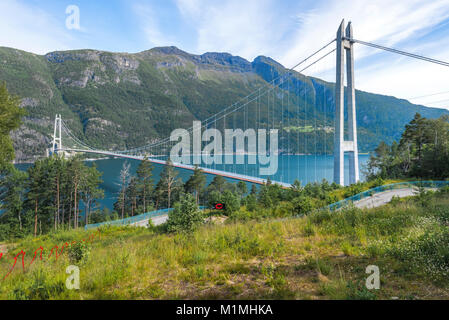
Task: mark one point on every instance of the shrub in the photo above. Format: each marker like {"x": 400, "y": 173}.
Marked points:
{"x": 320, "y": 216}
{"x": 324, "y": 266}
{"x": 251, "y": 203}
{"x": 429, "y": 253}
{"x": 353, "y": 189}
{"x": 270, "y": 195}
{"x": 378, "y": 182}
{"x": 302, "y": 205}
{"x": 150, "y": 225}
{"x": 79, "y": 252}
{"x": 38, "y": 287}
{"x": 309, "y": 230}
{"x": 424, "y": 197}
{"x": 213, "y": 197}
{"x": 185, "y": 217}
{"x": 331, "y": 198}
{"x": 395, "y": 200}
{"x": 231, "y": 202}
{"x": 442, "y": 214}
{"x": 444, "y": 190}
{"x": 358, "y": 291}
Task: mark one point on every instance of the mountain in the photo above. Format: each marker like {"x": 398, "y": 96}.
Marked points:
{"x": 121, "y": 100}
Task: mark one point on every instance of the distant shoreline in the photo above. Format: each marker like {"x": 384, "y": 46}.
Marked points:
{"x": 282, "y": 154}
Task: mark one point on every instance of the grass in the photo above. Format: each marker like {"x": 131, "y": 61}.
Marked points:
{"x": 320, "y": 256}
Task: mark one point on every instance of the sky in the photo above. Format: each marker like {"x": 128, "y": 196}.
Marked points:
{"x": 285, "y": 30}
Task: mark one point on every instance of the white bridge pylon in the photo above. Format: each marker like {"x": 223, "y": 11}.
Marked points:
{"x": 57, "y": 137}
{"x": 344, "y": 45}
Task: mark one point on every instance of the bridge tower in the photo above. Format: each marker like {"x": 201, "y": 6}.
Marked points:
{"x": 57, "y": 137}
{"x": 345, "y": 47}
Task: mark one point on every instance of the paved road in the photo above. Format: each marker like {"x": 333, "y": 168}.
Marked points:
{"x": 382, "y": 198}
{"x": 156, "y": 221}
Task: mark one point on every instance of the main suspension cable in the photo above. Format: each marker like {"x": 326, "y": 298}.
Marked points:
{"x": 408, "y": 54}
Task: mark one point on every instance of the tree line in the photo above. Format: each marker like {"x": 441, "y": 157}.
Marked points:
{"x": 53, "y": 194}
{"x": 422, "y": 152}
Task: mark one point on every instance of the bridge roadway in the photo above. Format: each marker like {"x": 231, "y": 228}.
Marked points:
{"x": 230, "y": 175}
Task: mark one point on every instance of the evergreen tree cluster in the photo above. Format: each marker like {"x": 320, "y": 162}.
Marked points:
{"x": 422, "y": 152}
{"x": 53, "y": 194}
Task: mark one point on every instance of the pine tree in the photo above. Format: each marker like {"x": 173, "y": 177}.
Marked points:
{"x": 77, "y": 175}
{"x": 12, "y": 196}
{"x": 185, "y": 217}
{"x": 132, "y": 192}
{"x": 144, "y": 182}
{"x": 218, "y": 184}
{"x": 242, "y": 189}
{"x": 10, "y": 117}
{"x": 253, "y": 190}
{"x": 124, "y": 181}
{"x": 90, "y": 190}
{"x": 196, "y": 183}
{"x": 34, "y": 186}
{"x": 168, "y": 182}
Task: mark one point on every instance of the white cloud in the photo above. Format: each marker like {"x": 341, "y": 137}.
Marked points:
{"x": 385, "y": 21}
{"x": 391, "y": 23}
{"x": 149, "y": 22}
{"x": 32, "y": 29}
{"x": 245, "y": 28}
{"x": 406, "y": 78}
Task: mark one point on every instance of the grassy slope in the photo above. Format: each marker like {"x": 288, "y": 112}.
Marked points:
{"x": 321, "y": 256}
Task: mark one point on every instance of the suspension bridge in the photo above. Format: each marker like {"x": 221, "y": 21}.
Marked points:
{"x": 284, "y": 104}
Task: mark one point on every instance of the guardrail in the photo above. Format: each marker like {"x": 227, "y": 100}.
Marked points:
{"x": 134, "y": 219}
{"x": 373, "y": 191}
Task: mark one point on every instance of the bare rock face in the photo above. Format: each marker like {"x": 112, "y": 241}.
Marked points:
{"x": 29, "y": 144}
{"x": 42, "y": 122}
{"x": 100, "y": 123}
{"x": 97, "y": 71}
{"x": 123, "y": 64}
{"x": 29, "y": 102}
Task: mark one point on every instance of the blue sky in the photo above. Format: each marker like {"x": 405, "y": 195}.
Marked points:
{"x": 286, "y": 30}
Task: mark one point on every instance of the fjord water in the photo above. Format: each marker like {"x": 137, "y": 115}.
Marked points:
{"x": 305, "y": 168}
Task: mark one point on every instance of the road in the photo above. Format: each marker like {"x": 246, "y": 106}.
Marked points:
{"x": 379, "y": 199}
{"x": 156, "y": 221}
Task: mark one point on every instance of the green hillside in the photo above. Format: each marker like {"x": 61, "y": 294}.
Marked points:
{"x": 319, "y": 256}
{"x": 118, "y": 100}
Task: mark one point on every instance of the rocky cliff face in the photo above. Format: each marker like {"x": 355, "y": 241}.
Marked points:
{"x": 120, "y": 100}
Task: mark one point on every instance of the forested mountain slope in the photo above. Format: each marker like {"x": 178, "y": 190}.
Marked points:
{"x": 118, "y": 100}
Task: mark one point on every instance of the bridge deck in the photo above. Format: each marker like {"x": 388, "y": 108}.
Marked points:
{"x": 230, "y": 175}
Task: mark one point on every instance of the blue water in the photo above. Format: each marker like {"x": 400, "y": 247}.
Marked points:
{"x": 305, "y": 168}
